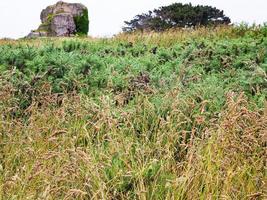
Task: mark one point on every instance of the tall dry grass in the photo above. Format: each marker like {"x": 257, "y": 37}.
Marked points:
{"x": 172, "y": 36}
{"x": 84, "y": 150}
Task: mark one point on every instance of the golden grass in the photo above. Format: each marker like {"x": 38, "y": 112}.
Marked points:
{"x": 172, "y": 36}
{"x": 166, "y": 38}
{"x": 81, "y": 151}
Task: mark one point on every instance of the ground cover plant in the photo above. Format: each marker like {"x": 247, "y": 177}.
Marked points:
{"x": 174, "y": 115}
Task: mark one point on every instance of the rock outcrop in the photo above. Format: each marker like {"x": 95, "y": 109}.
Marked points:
{"x": 63, "y": 25}
{"x": 63, "y": 19}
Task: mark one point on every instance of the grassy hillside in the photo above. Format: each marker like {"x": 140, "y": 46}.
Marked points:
{"x": 174, "y": 115}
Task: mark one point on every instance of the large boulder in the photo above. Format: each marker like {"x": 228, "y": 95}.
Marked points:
{"x": 63, "y": 19}
{"x": 62, "y": 25}
{"x": 75, "y": 9}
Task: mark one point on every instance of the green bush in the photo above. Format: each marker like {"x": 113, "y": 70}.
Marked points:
{"x": 82, "y": 23}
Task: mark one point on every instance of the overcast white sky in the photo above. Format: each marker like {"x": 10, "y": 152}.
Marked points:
{"x": 19, "y": 17}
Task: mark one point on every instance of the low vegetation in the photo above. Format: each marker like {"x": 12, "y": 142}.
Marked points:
{"x": 174, "y": 115}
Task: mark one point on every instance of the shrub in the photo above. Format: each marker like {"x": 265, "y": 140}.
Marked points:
{"x": 82, "y": 23}
{"x": 177, "y": 15}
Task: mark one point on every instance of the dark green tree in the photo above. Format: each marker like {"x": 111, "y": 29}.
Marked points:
{"x": 177, "y": 15}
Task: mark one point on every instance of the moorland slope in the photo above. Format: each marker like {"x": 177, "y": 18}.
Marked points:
{"x": 173, "y": 115}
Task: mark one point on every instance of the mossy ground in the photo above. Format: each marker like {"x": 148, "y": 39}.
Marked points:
{"x": 174, "y": 115}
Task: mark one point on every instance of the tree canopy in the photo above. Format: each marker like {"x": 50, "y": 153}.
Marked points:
{"x": 177, "y": 15}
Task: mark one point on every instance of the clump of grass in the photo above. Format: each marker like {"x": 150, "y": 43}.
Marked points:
{"x": 230, "y": 162}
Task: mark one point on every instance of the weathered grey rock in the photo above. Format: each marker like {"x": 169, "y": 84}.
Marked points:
{"x": 63, "y": 25}
{"x": 75, "y": 9}
{"x": 35, "y": 34}
{"x": 59, "y": 20}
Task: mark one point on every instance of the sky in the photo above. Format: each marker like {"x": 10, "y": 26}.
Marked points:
{"x": 19, "y": 17}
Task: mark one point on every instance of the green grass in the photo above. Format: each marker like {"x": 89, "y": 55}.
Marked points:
{"x": 174, "y": 115}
